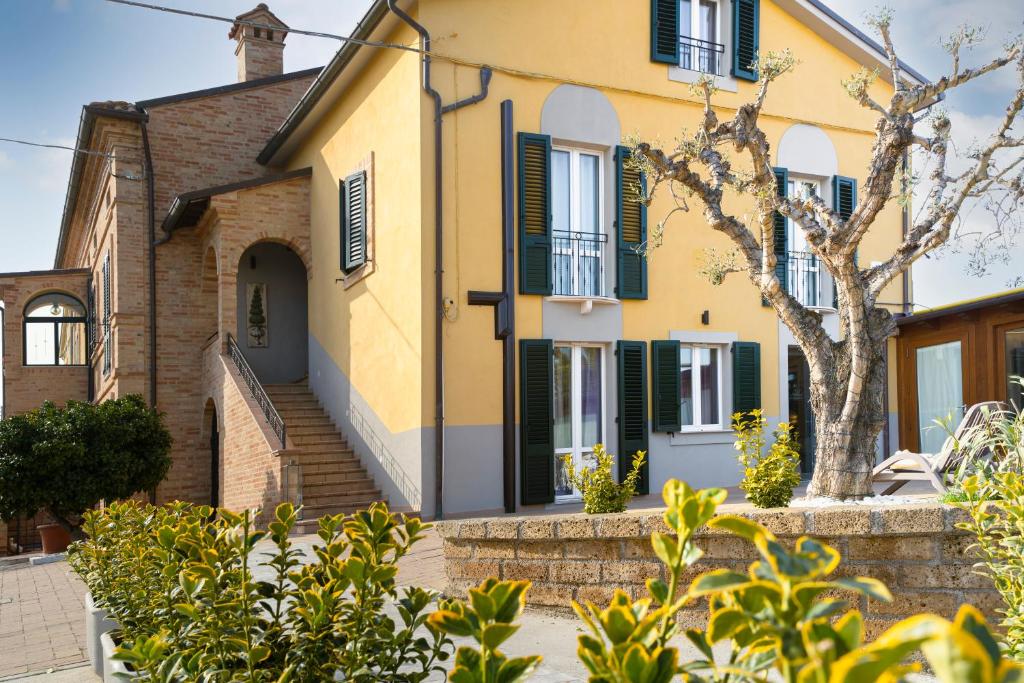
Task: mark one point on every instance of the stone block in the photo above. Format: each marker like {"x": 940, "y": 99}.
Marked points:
{"x": 911, "y": 519}
{"x": 601, "y": 596}
{"x": 472, "y": 529}
{"x": 892, "y": 548}
{"x": 525, "y": 569}
{"x": 597, "y": 549}
{"x": 550, "y": 595}
{"x": 576, "y": 527}
{"x": 537, "y": 528}
{"x": 575, "y": 573}
{"x": 840, "y": 521}
{"x": 652, "y": 523}
{"x": 502, "y": 528}
{"x": 624, "y": 572}
{"x": 782, "y": 522}
{"x": 727, "y": 547}
{"x": 957, "y": 548}
{"x": 637, "y": 549}
{"x": 539, "y": 550}
{"x": 618, "y": 526}
{"x": 491, "y": 550}
{"x": 457, "y": 549}
{"x": 954, "y": 516}
{"x": 953, "y": 576}
{"x": 906, "y": 603}
{"x": 473, "y": 569}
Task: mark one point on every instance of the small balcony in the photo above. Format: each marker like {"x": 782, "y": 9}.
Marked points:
{"x": 578, "y": 260}
{"x": 701, "y": 55}
{"x": 804, "y": 279}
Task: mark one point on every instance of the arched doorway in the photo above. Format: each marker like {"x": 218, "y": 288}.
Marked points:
{"x": 212, "y": 428}
{"x": 272, "y": 328}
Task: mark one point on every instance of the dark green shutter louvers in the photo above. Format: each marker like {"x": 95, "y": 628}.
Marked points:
{"x": 746, "y": 376}
{"x": 632, "y": 362}
{"x": 107, "y": 346}
{"x": 781, "y": 237}
{"x": 665, "y": 386}
{"x": 536, "y": 421}
{"x": 746, "y": 19}
{"x": 353, "y": 221}
{"x": 631, "y": 229}
{"x": 534, "y": 214}
{"x": 92, "y": 317}
{"x": 665, "y": 31}
{"x": 844, "y": 202}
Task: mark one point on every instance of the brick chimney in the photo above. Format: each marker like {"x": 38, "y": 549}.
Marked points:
{"x": 260, "y": 51}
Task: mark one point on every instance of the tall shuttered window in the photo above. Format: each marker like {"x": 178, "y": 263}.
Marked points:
{"x": 631, "y": 228}
{"x": 107, "y": 346}
{"x": 746, "y": 376}
{"x": 633, "y": 434}
{"x": 353, "y": 221}
{"x": 536, "y": 421}
{"x": 535, "y": 214}
{"x": 578, "y": 392}
{"x": 746, "y": 19}
{"x": 700, "y": 388}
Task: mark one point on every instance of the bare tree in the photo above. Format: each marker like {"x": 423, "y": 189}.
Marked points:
{"x": 847, "y": 376}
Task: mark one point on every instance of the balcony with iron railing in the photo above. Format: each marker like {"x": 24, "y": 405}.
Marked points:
{"x": 807, "y": 281}
{"x": 700, "y": 55}
{"x": 578, "y": 262}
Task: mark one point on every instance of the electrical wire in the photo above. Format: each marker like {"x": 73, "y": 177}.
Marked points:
{"x": 76, "y": 150}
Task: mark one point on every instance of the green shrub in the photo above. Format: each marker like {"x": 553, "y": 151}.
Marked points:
{"x": 600, "y": 491}
{"x": 66, "y": 460}
{"x": 181, "y": 584}
{"x": 768, "y": 478}
{"x": 784, "y": 619}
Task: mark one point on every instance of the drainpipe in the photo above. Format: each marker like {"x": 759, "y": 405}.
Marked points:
{"x": 439, "y": 111}
{"x": 151, "y": 233}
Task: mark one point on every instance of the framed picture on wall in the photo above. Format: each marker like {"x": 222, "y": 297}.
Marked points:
{"x": 256, "y": 315}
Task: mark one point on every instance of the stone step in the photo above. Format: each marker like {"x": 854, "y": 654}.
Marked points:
{"x": 330, "y": 439}
{"x": 340, "y": 473}
{"x": 332, "y": 492}
{"x": 300, "y": 413}
{"x": 296, "y": 388}
{"x": 312, "y": 430}
{"x": 320, "y": 420}
{"x": 321, "y": 448}
{"x": 312, "y": 512}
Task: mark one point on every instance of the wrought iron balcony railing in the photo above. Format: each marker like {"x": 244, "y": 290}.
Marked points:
{"x": 578, "y": 263}
{"x": 804, "y": 277}
{"x": 701, "y": 55}
{"x": 256, "y": 390}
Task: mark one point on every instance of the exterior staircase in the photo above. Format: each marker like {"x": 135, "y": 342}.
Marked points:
{"x": 333, "y": 479}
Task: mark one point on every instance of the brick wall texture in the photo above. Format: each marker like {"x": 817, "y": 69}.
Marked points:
{"x": 915, "y": 550}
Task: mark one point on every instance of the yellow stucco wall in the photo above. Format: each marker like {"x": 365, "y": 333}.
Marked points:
{"x": 380, "y": 332}
{"x": 373, "y": 331}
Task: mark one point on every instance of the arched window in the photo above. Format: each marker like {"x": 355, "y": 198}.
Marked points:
{"x": 54, "y": 331}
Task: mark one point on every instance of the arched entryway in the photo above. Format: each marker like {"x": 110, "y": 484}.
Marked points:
{"x": 211, "y": 428}
{"x": 272, "y": 328}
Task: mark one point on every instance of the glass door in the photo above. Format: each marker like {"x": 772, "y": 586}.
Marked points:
{"x": 1013, "y": 357}
{"x": 940, "y": 392}
{"x": 579, "y": 410}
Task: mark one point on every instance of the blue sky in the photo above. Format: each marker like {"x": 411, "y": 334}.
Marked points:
{"x": 56, "y": 55}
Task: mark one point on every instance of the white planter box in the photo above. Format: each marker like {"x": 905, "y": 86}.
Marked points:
{"x": 113, "y": 670}
{"x": 97, "y": 622}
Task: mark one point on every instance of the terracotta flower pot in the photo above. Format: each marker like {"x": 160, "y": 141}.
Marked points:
{"x": 56, "y": 538}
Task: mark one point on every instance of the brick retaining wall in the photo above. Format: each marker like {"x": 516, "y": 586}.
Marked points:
{"x": 915, "y": 550}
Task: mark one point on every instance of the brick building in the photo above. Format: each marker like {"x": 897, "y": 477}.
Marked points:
{"x": 161, "y": 215}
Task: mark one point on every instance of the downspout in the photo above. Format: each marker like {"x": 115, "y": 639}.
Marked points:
{"x": 439, "y": 111}
{"x": 151, "y": 232}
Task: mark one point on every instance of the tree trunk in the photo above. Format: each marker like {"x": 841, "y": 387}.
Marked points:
{"x": 843, "y": 465}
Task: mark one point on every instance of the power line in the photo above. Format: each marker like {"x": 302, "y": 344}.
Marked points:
{"x": 76, "y": 150}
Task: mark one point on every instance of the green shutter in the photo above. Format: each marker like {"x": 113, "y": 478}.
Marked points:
{"x": 665, "y": 31}
{"x": 746, "y": 376}
{"x": 630, "y": 229}
{"x": 536, "y": 421}
{"x": 632, "y": 362}
{"x": 745, "y": 29}
{"x": 665, "y": 386}
{"x": 844, "y": 196}
{"x": 534, "y": 214}
{"x": 780, "y": 230}
{"x": 353, "y": 221}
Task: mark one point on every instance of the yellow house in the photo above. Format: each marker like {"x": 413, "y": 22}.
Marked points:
{"x": 477, "y": 305}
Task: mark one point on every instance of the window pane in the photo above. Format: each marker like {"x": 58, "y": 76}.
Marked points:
{"x": 560, "y": 190}
{"x": 71, "y": 337}
{"x": 589, "y": 192}
{"x": 709, "y": 386}
{"x": 39, "y": 343}
{"x": 590, "y": 374}
{"x": 1015, "y": 367}
{"x": 709, "y": 20}
{"x": 562, "y": 485}
{"x": 686, "y": 384}
{"x": 55, "y": 306}
{"x": 939, "y": 392}
{"x": 563, "y": 397}
{"x": 684, "y": 17}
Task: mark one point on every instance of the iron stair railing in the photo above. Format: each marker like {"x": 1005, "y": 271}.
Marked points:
{"x": 257, "y": 391}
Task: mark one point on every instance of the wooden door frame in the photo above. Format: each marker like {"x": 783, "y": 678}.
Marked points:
{"x": 998, "y": 332}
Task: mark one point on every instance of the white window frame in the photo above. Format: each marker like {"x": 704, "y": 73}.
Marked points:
{"x": 578, "y": 448}
{"x": 695, "y": 396}
{"x": 695, "y": 21}
{"x": 575, "y": 217}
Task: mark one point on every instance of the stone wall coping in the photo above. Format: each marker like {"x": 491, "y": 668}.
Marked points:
{"x": 914, "y": 519}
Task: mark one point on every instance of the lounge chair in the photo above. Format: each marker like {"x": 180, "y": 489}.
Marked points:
{"x": 904, "y": 466}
